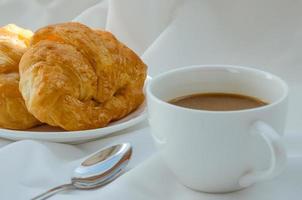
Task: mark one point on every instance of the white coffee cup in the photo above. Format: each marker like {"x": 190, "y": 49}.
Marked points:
{"x": 219, "y": 151}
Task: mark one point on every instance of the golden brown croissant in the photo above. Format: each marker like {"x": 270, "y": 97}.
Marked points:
{"x": 78, "y": 78}
{"x": 13, "y": 113}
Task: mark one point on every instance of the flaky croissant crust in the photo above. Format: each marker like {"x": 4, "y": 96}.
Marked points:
{"x": 78, "y": 78}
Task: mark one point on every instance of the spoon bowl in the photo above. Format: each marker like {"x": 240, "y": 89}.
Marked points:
{"x": 102, "y": 167}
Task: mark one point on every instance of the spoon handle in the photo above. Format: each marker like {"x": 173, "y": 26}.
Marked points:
{"x": 53, "y": 191}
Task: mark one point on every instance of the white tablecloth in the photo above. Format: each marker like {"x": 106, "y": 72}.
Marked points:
{"x": 167, "y": 34}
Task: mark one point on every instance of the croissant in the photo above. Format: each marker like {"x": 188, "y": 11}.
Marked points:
{"x": 13, "y": 112}
{"x": 78, "y": 78}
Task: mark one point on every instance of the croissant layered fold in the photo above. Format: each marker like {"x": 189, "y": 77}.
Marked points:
{"x": 78, "y": 78}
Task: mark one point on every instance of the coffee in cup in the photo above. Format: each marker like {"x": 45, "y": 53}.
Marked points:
{"x": 218, "y": 101}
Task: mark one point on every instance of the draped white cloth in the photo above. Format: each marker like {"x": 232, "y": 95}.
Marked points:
{"x": 266, "y": 34}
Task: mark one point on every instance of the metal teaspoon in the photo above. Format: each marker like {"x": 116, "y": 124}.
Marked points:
{"x": 97, "y": 170}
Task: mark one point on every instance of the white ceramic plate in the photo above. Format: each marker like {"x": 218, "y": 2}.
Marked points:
{"x": 55, "y": 134}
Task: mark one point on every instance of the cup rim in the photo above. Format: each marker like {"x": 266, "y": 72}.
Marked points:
{"x": 218, "y": 66}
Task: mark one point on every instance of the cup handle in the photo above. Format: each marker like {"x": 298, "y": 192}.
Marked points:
{"x": 278, "y": 155}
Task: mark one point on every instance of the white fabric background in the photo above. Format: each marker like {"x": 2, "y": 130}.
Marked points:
{"x": 266, "y": 34}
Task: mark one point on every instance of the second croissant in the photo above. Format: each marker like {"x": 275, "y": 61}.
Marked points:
{"x": 13, "y": 112}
